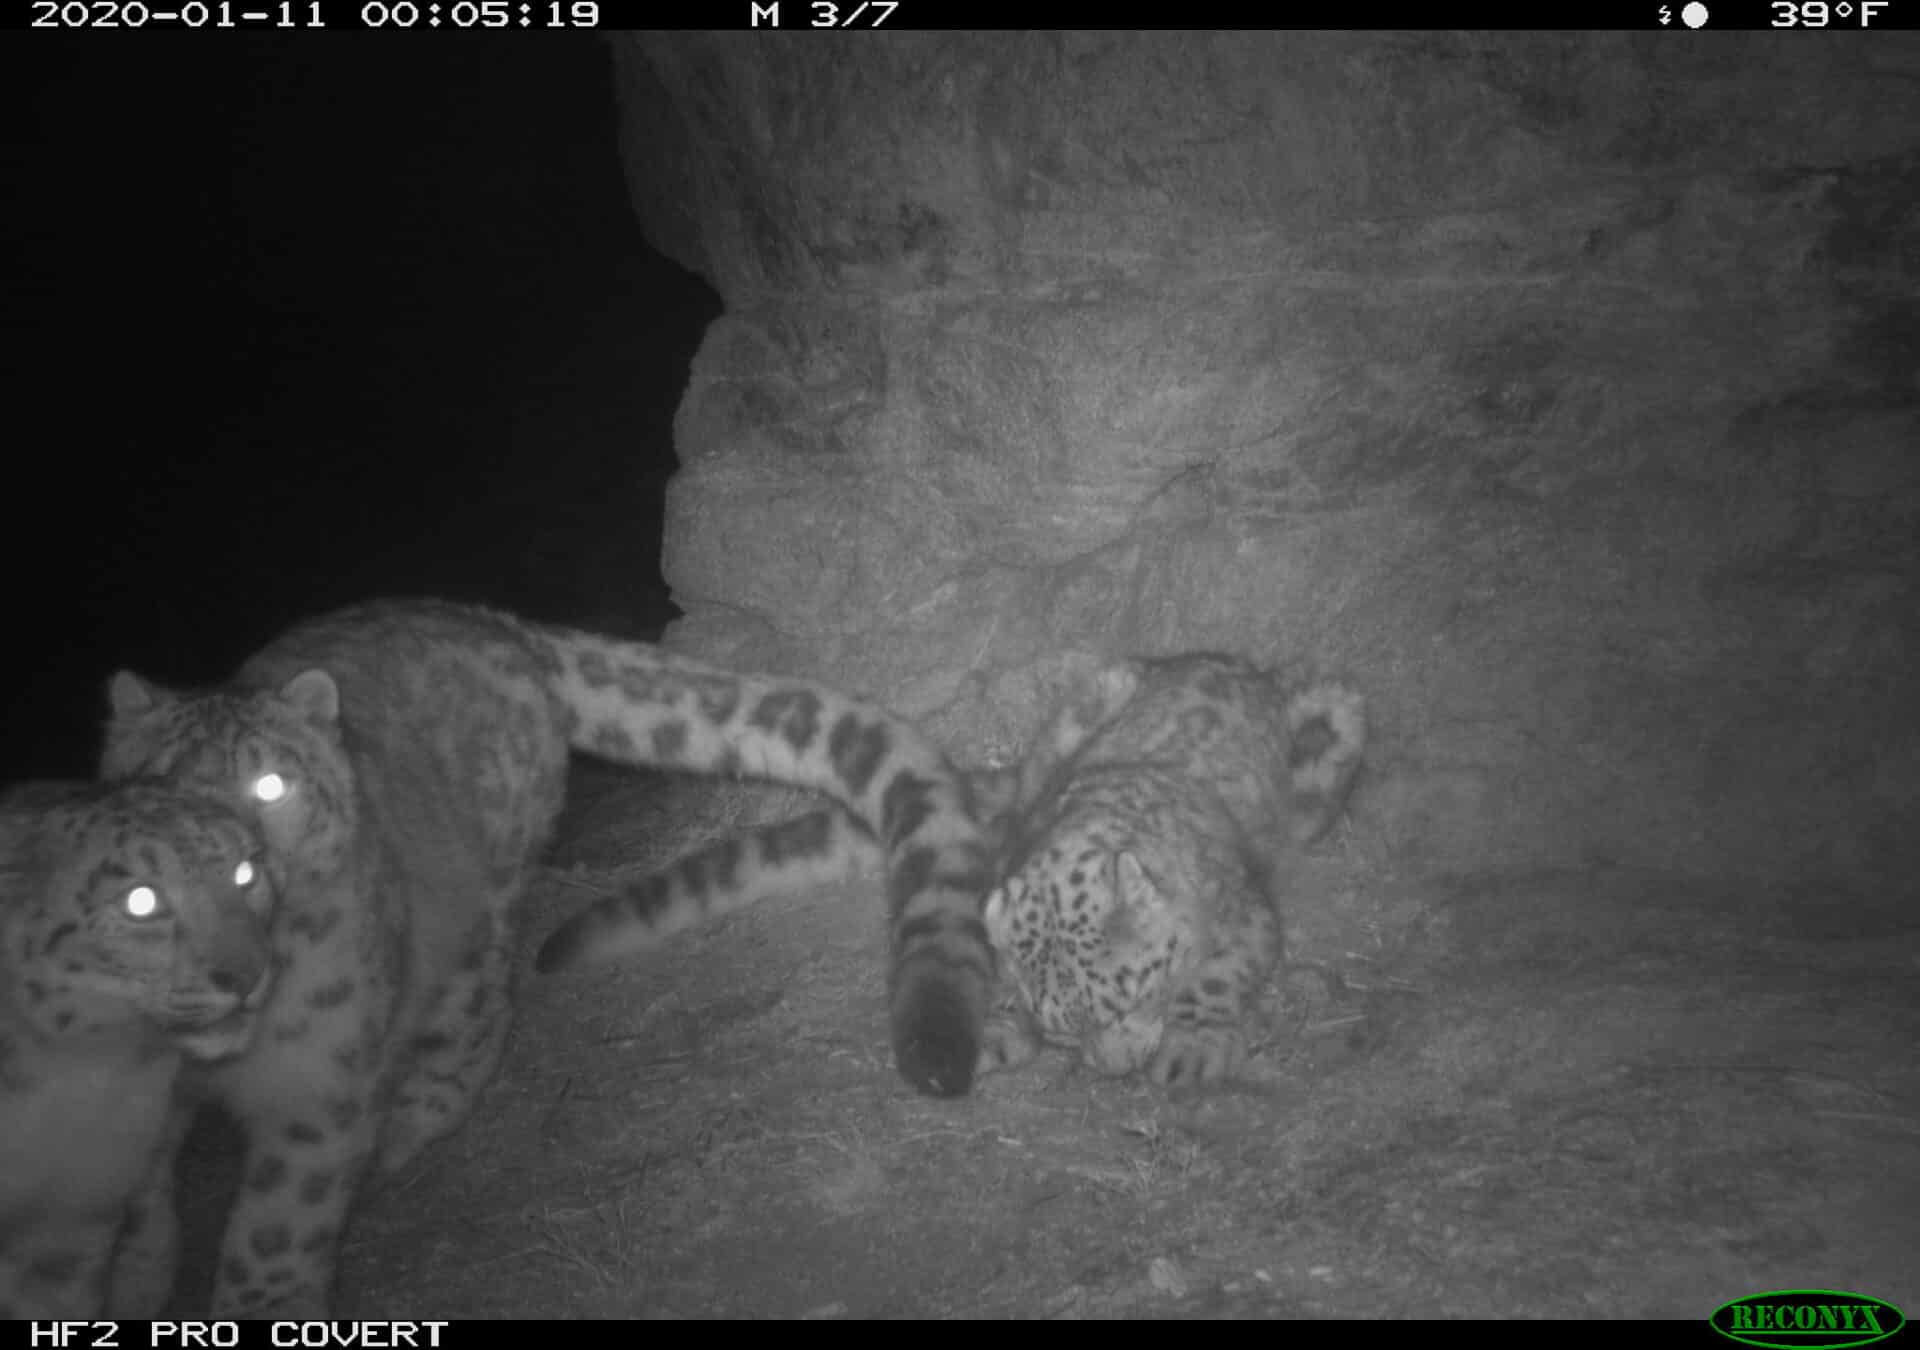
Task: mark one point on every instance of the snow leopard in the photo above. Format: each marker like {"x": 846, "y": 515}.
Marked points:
{"x": 405, "y": 760}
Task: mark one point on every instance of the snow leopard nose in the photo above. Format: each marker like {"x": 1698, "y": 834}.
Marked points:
{"x": 234, "y": 979}
{"x": 240, "y": 961}
{"x": 241, "y": 980}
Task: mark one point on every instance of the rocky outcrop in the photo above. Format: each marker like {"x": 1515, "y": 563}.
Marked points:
{"x": 1559, "y": 389}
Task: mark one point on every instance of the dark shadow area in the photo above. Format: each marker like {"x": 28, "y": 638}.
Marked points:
{"x": 304, "y": 323}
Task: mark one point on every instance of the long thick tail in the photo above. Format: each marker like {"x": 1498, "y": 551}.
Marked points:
{"x": 636, "y": 704}
{"x": 726, "y": 876}
{"x": 1327, "y": 734}
{"x": 943, "y": 963}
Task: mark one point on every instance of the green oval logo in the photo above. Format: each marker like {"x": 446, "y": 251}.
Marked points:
{"x": 1792, "y": 1318}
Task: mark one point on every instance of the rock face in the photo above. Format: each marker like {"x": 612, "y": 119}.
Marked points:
{"x": 1562, "y": 391}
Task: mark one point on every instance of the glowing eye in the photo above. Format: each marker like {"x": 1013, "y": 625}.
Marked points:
{"x": 142, "y": 902}
{"x": 269, "y": 788}
{"x": 243, "y": 875}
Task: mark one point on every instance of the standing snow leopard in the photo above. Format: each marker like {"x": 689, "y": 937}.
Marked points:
{"x": 406, "y": 760}
{"x": 1141, "y": 842}
{"x": 133, "y": 934}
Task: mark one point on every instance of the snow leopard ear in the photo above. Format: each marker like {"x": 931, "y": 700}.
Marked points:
{"x": 1137, "y": 886}
{"x": 314, "y": 695}
{"x": 998, "y": 907}
{"x": 1137, "y": 899}
{"x": 128, "y": 695}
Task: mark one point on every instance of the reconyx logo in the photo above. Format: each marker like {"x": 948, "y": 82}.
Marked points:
{"x": 1792, "y": 1318}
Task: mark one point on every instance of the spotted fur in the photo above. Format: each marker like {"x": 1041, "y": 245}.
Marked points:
{"x": 1140, "y": 914}
{"x": 133, "y": 934}
{"x": 406, "y": 760}
{"x": 1143, "y": 839}
{"x": 823, "y": 846}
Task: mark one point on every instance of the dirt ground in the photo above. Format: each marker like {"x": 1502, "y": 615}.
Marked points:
{"x": 1575, "y": 1094}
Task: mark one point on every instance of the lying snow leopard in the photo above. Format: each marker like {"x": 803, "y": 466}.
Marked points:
{"x": 406, "y": 760}
{"x": 1140, "y": 916}
{"x": 133, "y": 933}
{"x": 1140, "y": 842}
